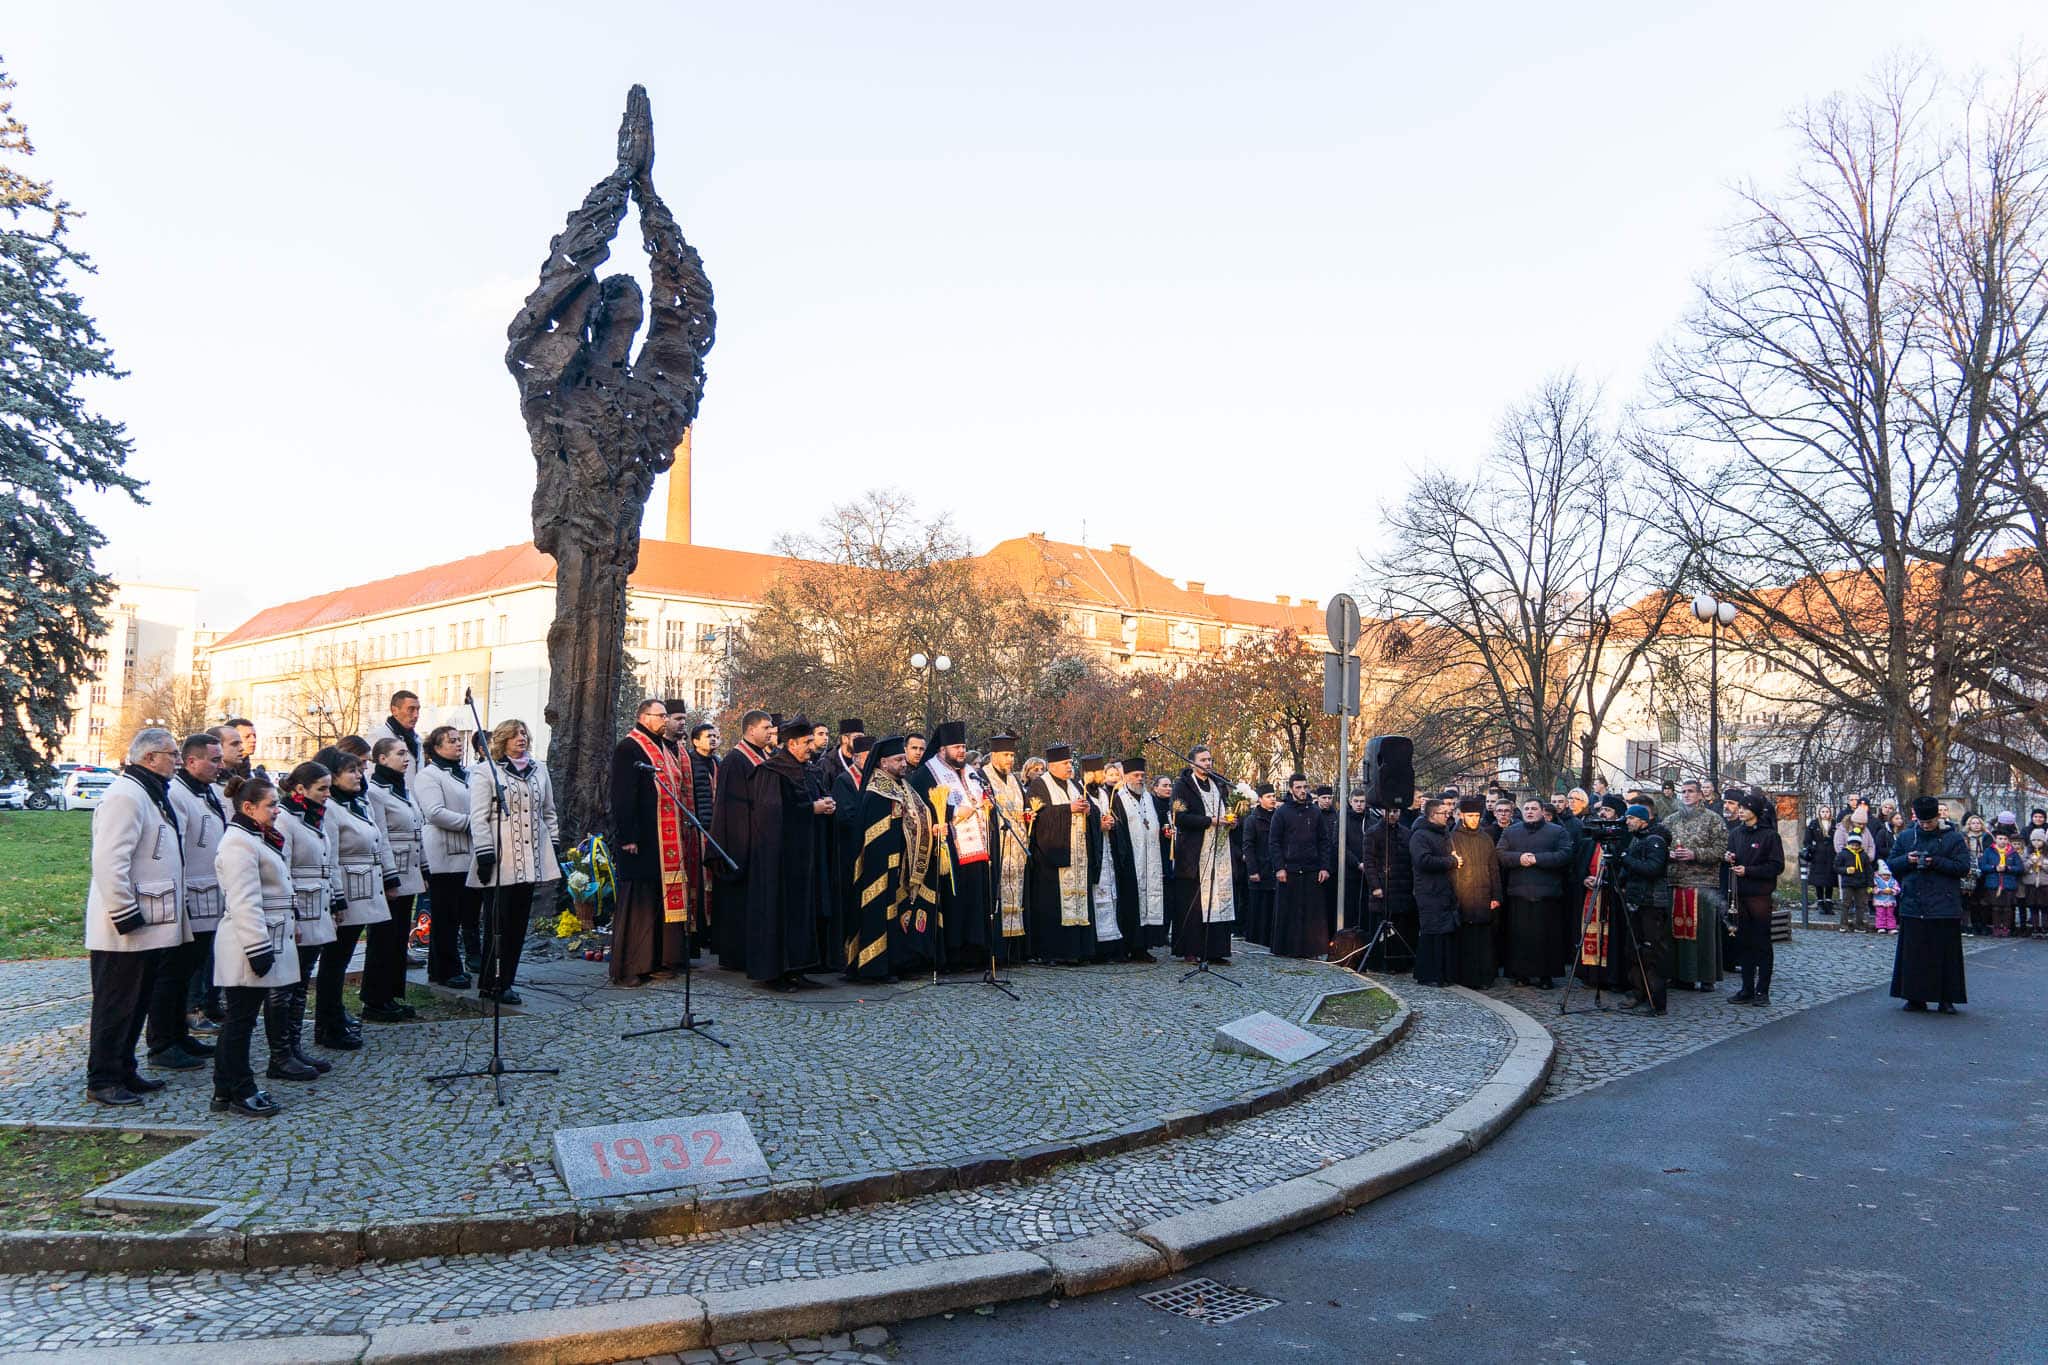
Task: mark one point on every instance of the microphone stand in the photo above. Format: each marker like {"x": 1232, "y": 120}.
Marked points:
{"x": 689, "y": 1022}
{"x": 1187, "y": 919}
{"x": 495, "y": 1068}
{"x": 989, "y": 975}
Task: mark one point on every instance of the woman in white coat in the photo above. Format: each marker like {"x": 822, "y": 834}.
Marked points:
{"x": 516, "y": 851}
{"x": 442, "y": 788}
{"x": 367, "y": 872}
{"x": 316, "y": 899}
{"x": 133, "y": 913}
{"x": 253, "y": 954}
{"x": 396, "y": 812}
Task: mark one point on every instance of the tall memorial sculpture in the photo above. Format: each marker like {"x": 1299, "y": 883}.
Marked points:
{"x": 603, "y": 423}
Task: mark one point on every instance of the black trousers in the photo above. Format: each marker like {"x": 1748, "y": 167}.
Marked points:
{"x": 327, "y": 1011}
{"x": 384, "y": 954}
{"x": 1753, "y": 943}
{"x": 506, "y": 937}
{"x": 169, "y": 998}
{"x": 233, "y": 1078}
{"x": 121, "y": 987}
{"x": 453, "y": 935}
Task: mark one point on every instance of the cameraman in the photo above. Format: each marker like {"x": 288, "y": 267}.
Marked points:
{"x": 1648, "y": 897}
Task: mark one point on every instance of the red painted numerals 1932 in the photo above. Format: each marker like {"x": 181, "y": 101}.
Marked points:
{"x": 670, "y": 1152}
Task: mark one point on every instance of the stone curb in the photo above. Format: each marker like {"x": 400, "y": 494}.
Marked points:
{"x": 347, "y": 1242}
{"x": 798, "y": 1308}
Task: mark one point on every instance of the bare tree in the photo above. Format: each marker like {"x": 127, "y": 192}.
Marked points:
{"x": 1497, "y": 603}
{"x": 329, "y": 698}
{"x": 871, "y": 587}
{"x": 158, "y": 696}
{"x": 1856, "y": 404}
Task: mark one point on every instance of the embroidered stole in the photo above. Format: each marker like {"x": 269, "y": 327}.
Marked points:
{"x": 1219, "y": 899}
{"x": 675, "y": 886}
{"x": 1009, "y": 795}
{"x": 1685, "y": 914}
{"x": 1593, "y": 940}
{"x": 1074, "y": 876}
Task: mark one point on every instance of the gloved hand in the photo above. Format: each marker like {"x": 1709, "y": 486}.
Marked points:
{"x": 338, "y": 905}
{"x": 391, "y": 885}
{"x": 129, "y": 920}
{"x": 558, "y": 850}
{"x": 487, "y": 866}
{"x": 262, "y": 962}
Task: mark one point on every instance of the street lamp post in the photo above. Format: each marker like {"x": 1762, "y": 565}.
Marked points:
{"x": 931, "y": 666}
{"x": 1716, "y": 614}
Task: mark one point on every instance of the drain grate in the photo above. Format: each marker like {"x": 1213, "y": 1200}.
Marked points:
{"x": 1207, "y": 1301}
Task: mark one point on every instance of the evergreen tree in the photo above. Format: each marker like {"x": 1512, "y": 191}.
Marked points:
{"x": 51, "y": 597}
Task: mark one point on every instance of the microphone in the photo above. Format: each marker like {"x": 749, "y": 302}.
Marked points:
{"x": 467, "y": 699}
{"x": 643, "y": 767}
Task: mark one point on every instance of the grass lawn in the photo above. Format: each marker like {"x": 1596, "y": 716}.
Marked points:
{"x": 1363, "y": 1009}
{"x": 45, "y": 866}
{"x": 42, "y": 1175}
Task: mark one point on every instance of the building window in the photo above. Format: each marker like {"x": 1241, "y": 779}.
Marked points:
{"x": 504, "y": 629}
{"x": 1640, "y": 758}
{"x": 1784, "y": 774}
{"x": 99, "y": 693}
{"x": 707, "y": 639}
{"x": 1667, "y": 727}
{"x": 700, "y": 694}
{"x": 636, "y": 631}
{"x": 97, "y": 728}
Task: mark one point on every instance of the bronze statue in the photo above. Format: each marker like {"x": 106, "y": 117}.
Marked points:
{"x": 603, "y": 423}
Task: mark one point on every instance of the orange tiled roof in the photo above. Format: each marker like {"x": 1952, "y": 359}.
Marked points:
{"x": 1113, "y": 579}
{"x": 701, "y": 570}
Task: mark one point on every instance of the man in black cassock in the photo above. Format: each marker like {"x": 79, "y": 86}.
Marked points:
{"x": 1304, "y": 850}
{"x": 823, "y": 769}
{"x": 1389, "y": 891}
{"x": 849, "y": 756}
{"x": 732, "y": 825}
{"x": 650, "y": 851}
{"x": 1058, "y": 918}
{"x": 1135, "y": 861}
{"x": 786, "y": 892}
{"x": 1203, "y": 907}
{"x": 892, "y": 904}
{"x": 959, "y": 811}
{"x": 1008, "y": 852}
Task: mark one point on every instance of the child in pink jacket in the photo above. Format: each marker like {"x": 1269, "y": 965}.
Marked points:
{"x": 1884, "y": 898}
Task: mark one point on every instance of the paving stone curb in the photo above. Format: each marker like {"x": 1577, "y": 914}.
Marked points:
{"x": 346, "y": 1242}
{"x": 675, "y": 1323}
{"x": 672, "y": 1323}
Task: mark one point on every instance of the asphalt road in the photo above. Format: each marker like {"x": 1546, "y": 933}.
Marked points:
{"x": 1853, "y": 1183}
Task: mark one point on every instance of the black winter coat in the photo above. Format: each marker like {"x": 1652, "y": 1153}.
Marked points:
{"x": 1303, "y": 838}
{"x": 1554, "y": 848}
{"x": 1384, "y": 851}
{"x": 1760, "y": 853}
{"x": 1436, "y": 904}
{"x": 1934, "y": 889}
{"x": 1644, "y": 859}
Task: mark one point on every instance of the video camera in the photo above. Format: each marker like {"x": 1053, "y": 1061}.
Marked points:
{"x": 1610, "y": 834}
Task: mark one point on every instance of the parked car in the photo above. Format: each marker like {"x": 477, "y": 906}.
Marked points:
{"x": 84, "y": 788}
{"x": 14, "y": 796}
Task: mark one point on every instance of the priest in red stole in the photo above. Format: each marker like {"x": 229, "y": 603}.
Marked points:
{"x": 654, "y": 854}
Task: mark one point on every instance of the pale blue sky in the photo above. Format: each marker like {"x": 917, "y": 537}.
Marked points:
{"x": 1212, "y": 279}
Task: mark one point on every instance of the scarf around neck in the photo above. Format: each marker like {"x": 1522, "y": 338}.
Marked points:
{"x": 389, "y": 779}
{"x": 451, "y": 766}
{"x": 204, "y": 791}
{"x": 269, "y": 834}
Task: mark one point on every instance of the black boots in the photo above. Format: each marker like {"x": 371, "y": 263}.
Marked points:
{"x": 281, "y": 1029}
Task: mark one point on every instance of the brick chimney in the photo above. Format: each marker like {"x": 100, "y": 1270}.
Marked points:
{"x": 1117, "y": 549}
{"x": 1196, "y": 586}
{"x": 677, "y": 529}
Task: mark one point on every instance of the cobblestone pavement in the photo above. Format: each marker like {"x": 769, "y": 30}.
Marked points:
{"x": 1593, "y": 1048}
{"x": 842, "y": 1087}
{"x": 1454, "y": 1046}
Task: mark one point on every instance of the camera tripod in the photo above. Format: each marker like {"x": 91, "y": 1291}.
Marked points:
{"x": 1604, "y": 900}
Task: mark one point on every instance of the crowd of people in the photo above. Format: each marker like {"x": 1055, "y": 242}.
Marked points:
{"x": 1848, "y": 863}
{"x": 222, "y": 894}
